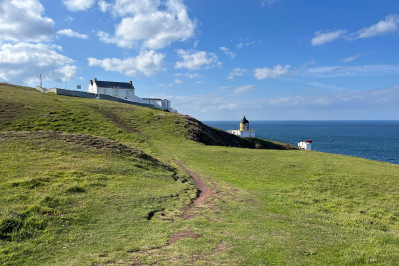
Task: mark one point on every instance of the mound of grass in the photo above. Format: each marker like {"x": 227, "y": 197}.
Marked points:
{"x": 70, "y": 199}
{"x": 106, "y": 192}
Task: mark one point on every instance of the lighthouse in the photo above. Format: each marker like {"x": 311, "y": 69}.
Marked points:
{"x": 244, "y": 130}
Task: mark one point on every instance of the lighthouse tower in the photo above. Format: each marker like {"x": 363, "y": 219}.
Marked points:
{"x": 244, "y": 125}
{"x": 244, "y": 130}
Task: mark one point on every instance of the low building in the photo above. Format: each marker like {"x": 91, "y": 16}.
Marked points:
{"x": 126, "y": 91}
{"x": 244, "y": 130}
{"x": 306, "y": 145}
{"x": 163, "y": 104}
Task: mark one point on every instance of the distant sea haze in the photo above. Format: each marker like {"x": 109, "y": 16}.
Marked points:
{"x": 375, "y": 140}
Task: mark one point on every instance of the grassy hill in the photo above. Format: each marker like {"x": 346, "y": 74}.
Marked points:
{"x": 87, "y": 181}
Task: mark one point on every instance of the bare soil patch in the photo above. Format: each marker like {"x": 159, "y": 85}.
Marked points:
{"x": 180, "y": 235}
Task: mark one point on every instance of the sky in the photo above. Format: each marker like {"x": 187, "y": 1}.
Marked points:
{"x": 215, "y": 59}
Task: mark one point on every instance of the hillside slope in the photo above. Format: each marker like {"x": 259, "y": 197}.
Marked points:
{"x": 92, "y": 182}
{"x": 69, "y": 114}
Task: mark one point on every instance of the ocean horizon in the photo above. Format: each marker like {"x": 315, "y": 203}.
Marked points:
{"x": 370, "y": 139}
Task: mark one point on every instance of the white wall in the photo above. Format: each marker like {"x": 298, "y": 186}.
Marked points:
{"x": 92, "y": 88}
{"x": 305, "y": 145}
{"x": 243, "y": 133}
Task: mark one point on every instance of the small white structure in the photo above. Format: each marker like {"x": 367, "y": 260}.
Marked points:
{"x": 306, "y": 145}
{"x": 163, "y": 104}
{"x": 126, "y": 91}
{"x": 244, "y": 130}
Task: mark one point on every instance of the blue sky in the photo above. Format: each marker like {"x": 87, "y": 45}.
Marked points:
{"x": 215, "y": 60}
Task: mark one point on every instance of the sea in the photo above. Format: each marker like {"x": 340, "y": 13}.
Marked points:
{"x": 375, "y": 140}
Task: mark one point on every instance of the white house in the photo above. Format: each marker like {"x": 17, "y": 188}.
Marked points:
{"x": 122, "y": 90}
{"x": 126, "y": 91}
{"x": 306, "y": 145}
{"x": 244, "y": 130}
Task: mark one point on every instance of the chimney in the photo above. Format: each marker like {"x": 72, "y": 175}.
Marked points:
{"x": 131, "y": 84}
{"x": 95, "y": 80}
{"x": 91, "y": 82}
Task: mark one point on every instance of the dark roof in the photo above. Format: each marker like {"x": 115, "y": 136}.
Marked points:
{"x": 112, "y": 84}
{"x": 244, "y": 120}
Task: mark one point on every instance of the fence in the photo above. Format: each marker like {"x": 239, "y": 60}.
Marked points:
{"x": 90, "y": 95}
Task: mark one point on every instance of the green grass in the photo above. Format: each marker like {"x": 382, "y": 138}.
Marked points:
{"x": 72, "y": 201}
{"x": 81, "y": 199}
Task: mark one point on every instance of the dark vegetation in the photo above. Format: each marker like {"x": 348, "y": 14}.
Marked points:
{"x": 212, "y": 136}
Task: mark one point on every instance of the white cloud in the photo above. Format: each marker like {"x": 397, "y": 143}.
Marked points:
{"x": 193, "y": 75}
{"x": 22, "y": 20}
{"x": 153, "y": 23}
{"x": 244, "y": 89}
{"x": 349, "y": 71}
{"x": 196, "y": 60}
{"x": 382, "y": 27}
{"x": 368, "y": 98}
{"x": 24, "y": 62}
{"x": 71, "y": 33}
{"x": 322, "y": 38}
{"x": 351, "y": 58}
{"x": 388, "y": 25}
{"x": 277, "y": 71}
{"x": 227, "y": 52}
{"x": 78, "y": 5}
{"x": 147, "y": 63}
{"x": 104, "y": 6}
{"x": 189, "y": 75}
{"x": 364, "y": 104}
{"x": 244, "y": 44}
{"x": 236, "y": 72}
{"x": 268, "y": 2}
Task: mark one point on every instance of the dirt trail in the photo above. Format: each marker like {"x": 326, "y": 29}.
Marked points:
{"x": 205, "y": 191}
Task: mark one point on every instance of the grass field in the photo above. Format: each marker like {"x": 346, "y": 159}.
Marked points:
{"x": 94, "y": 182}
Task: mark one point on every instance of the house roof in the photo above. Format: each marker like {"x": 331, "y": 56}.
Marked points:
{"x": 112, "y": 84}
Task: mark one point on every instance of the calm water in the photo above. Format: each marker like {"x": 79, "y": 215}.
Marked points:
{"x": 376, "y": 140}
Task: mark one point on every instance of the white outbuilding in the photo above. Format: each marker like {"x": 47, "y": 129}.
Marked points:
{"x": 306, "y": 145}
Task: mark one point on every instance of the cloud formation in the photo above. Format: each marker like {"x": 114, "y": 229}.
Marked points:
{"x": 244, "y": 89}
{"x": 71, "y": 33}
{"x": 153, "y": 24}
{"x": 351, "y": 58}
{"x": 333, "y": 105}
{"x": 23, "y": 21}
{"x": 196, "y": 60}
{"x": 268, "y": 2}
{"x": 147, "y": 63}
{"x": 78, "y": 5}
{"x": 227, "y": 51}
{"x": 277, "y": 71}
{"x": 24, "y": 62}
{"x": 322, "y": 38}
{"x": 390, "y": 24}
{"x": 236, "y": 72}
{"x": 350, "y": 71}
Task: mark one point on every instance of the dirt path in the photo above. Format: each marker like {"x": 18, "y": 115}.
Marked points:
{"x": 205, "y": 192}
